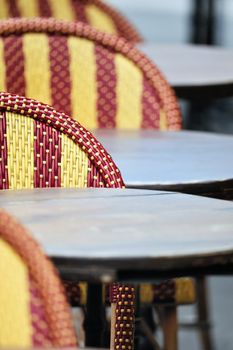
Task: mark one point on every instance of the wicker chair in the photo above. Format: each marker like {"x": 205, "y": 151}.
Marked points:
{"x": 94, "y": 12}
{"x": 28, "y": 318}
{"x": 43, "y": 148}
{"x": 67, "y": 64}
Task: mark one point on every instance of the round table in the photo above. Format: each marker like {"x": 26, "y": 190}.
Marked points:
{"x": 184, "y": 161}
{"x": 103, "y": 235}
{"x": 133, "y": 235}
{"x": 194, "y": 71}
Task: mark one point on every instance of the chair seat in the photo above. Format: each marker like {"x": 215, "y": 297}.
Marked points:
{"x": 179, "y": 291}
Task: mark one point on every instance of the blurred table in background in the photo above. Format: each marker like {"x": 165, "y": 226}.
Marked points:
{"x": 184, "y": 161}
{"x": 194, "y": 71}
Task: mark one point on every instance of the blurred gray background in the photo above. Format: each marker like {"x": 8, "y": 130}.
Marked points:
{"x": 169, "y": 21}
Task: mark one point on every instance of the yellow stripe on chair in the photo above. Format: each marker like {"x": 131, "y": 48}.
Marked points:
{"x": 100, "y": 20}
{"x": 28, "y": 8}
{"x": 163, "y": 121}
{"x": 37, "y": 68}
{"x": 20, "y": 150}
{"x": 74, "y": 164}
{"x": 146, "y": 293}
{"x": 2, "y": 68}
{"x": 15, "y": 322}
{"x": 83, "y": 292}
{"x": 84, "y": 85}
{"x": 62, "y": 9}
{"x": 185, "y": 290}
{"x": 129, "y": 94}
{"x": 4, "y": 9}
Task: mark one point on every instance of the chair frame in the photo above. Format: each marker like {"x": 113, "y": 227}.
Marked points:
{"x": 46, "y": 277}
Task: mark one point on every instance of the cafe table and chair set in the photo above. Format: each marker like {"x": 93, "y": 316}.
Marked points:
{"x": 94, "y": 164}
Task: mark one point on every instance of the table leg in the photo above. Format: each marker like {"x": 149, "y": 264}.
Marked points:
{"x": 211, "y": 23}
{"x": 197, "y": 115}
{"x": 151, "y": 342}
{"x": 204, "y": 22}
{"x": 203, "y": 314}
{"x": 169, "y": 325}
{"x": 95, "y": 316}
{"x": 198, "y": 22}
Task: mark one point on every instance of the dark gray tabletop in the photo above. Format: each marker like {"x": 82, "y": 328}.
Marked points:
{"x": 126, "y": 230}
{"x": 192, "y": 162}
{"x": 194, "y": 71}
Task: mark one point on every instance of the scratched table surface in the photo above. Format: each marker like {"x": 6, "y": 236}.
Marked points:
{"x": 135, "y": 231}
{"x": 194, "y": 71}
{"x": 184, "y": 161}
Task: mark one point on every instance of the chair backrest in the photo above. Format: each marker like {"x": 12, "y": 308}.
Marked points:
{"x": 34, "y": 311}
{"x": 94, "y": 12}
{"x": 101, "y": 78}
{"x": 44, "y": 148}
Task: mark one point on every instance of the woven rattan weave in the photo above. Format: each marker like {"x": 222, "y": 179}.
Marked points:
{"x": 44, "y": 148}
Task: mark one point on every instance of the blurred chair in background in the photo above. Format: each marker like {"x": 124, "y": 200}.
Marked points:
{"x": 95, "y": 12}
{"x": 101, "y": 78}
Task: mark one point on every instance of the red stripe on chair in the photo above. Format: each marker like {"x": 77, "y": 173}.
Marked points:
{"x": 151, "y": 107}
{"x": 79, "y": 10}
{"x": 165, "y": 292}
{"x": 73, "y": 292}
{"x": 106, "y": 88}
{"x": 40, "y": 336}
{"x": 47, "y": 156}
{"x": 4, "y": 184}
{"x": 14, "y": 61}
{"x": 94, "y": 178}
{"x": 60, "y": 75}
{"x": 13, "y": 8}
{"x": 44, "y": 8}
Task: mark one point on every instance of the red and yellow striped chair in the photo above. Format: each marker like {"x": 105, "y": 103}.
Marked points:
{"x": 34, "y": 311}
{"x": 101, "y": 78}
{"x": 44, "y": 148}
{"x": 94, "y": 12}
